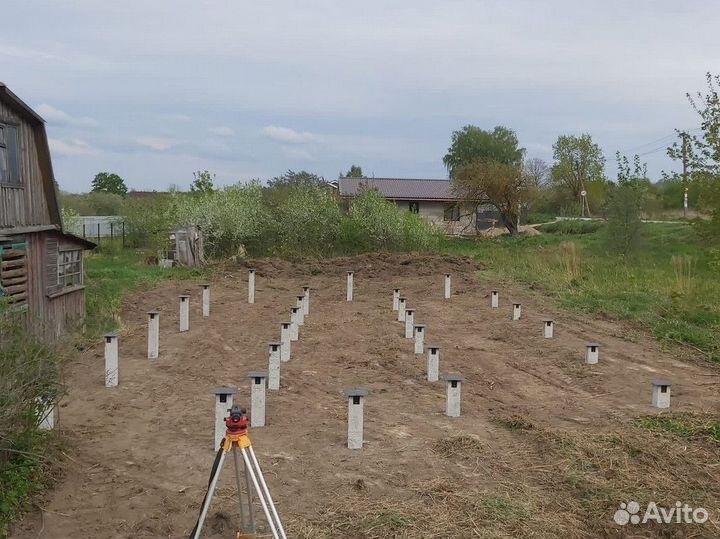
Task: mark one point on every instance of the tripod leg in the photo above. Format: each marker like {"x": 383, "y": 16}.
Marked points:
{"x": 266, "y": 510}
{"x": 266, "y": 492}
{"x": 251, "y": 509}
{"x": 208, "y": 499}
{"x": 245, "y": 528}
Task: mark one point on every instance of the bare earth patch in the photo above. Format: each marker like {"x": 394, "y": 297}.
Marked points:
{"x": 547, "y": 447}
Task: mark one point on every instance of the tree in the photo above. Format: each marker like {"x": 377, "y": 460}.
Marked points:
{"x": 109, "y": 182}
{"x": 354, "y": 172}
{"x": 708, "y": 108}
{"x": 537, "y": 171}
{"x": 297, "y": 179}
{"x": 203, "y": 182}
{"x": 578, "y": 161}
{"x": 625, "y": 203}
{"x": 505, "y": 186}
{"x": 472, "y": 144}
{"x": 631, "y": 174}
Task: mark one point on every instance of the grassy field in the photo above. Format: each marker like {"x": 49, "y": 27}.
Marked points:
{"x": 669, "y": 284}
{"x": 115, "y": 272}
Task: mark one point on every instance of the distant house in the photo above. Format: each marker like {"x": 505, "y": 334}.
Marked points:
{"x": 432, "y": 200}
{"x": 41, "y": 266}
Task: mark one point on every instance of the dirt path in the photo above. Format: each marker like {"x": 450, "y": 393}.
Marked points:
{"x": 141, "y": 452}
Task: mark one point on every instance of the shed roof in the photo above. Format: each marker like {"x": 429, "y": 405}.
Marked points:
{"x": 20, "y": 106}
{"x": 399, "y": 188}
{"x": 42, "y": 146}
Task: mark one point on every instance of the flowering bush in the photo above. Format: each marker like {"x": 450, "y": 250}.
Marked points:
{"x": 306, "y": 220}
{"x": 230, "y": 218}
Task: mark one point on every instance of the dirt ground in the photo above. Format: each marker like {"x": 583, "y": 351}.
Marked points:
{"x": 546, "y": 446}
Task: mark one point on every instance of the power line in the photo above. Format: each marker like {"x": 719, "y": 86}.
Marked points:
{"x": 652, "y": 143}
{"x": 661, "y": 148}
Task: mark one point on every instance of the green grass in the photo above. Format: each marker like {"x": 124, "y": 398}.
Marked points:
{"x": 571, "y": 227}
{"x": 109, "y": 276}
{"x": 23, "y": 473}
{"x": 580, "y": 272}
{"x": 683, "y": 426}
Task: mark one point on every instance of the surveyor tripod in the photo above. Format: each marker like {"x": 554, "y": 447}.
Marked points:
{"x": 236, "y": 440}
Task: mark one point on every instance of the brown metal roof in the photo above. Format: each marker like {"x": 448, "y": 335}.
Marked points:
{"x": 399, "y": 188}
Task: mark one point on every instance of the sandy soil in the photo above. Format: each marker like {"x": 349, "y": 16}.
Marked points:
{"x": 140, "y": 454}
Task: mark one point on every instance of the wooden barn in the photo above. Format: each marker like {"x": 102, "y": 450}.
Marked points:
{"x": 41, "y": 266}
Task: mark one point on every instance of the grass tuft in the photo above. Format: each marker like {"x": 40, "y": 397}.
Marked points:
{"x": 684, "y": 425}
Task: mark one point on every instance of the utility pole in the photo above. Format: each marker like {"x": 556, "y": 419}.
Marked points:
{"x": 685, "y": 155}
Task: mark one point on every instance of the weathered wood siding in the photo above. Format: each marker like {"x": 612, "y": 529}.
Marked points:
{"x": 50, "y": 318}
{"x": 24, "y": 205}
{"x": 66, "y": 311}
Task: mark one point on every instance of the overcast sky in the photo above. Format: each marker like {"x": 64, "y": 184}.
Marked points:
{"x": 156, "y": 89}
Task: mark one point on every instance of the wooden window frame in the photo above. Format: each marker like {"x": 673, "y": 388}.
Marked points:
{"x": 15, "y": 183}
{"x": 454, "y": 210}
{"x": 61, "y": 265}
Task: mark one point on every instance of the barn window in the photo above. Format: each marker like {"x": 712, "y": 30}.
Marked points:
{"x": 70, "y": 268}
{"x": 414, "y": 206}
{"x": 9, "y": 155}
{"x": 13, "y": 273}
{"x": 452, "y": 213}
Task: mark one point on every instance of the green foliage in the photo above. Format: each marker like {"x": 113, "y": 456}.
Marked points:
{"x": 203, "y": 182}
{"x": 306, "y": 220}
{"x": 380, "y": 225}
{"x": 709, "y": 230}
{"x": 93, "y": 203}
{"x": 578, "y": 161}
{"x": 683, "y": 426}
{"x": 109, "y": 182}
{"x": 571, "y": 226}
{"x": 535, "y": 217}
{"x": 471, "y": 144}
{"x": 29, "y": 381}
{"x": 231, "y": 218}
{"x": 708, "y": 108}
{"x": 149, "y": 220}
{"x": 297, "y": 179}
{"x": 110, "y": 276}
{"x": 22, "y": 475}
{"x": 504, "y": 186}
{"x": 623, "y": 216}
{"x": 669, "y": 192}
{"x": 354, "y": 172}
{"x": 307, "y": 223}
{"x": 279, "y": 187}
{"x": 70, "y": 218}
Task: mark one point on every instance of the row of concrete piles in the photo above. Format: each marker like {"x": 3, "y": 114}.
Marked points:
{"x": 280, "y": 352}
{"x": 262, "y": 380}
{"x": 454, "y": 381}
{"x": 406, "y": 315}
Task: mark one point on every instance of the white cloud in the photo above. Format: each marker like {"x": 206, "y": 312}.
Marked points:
{"x": 73, "y": 147}
{"x": 221, "y": 131}
{"x": 295, "y": 153}
{"x": 60, "y": 117}
{"x": 286, "y": 134}
{"x": 160, "y": 144}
